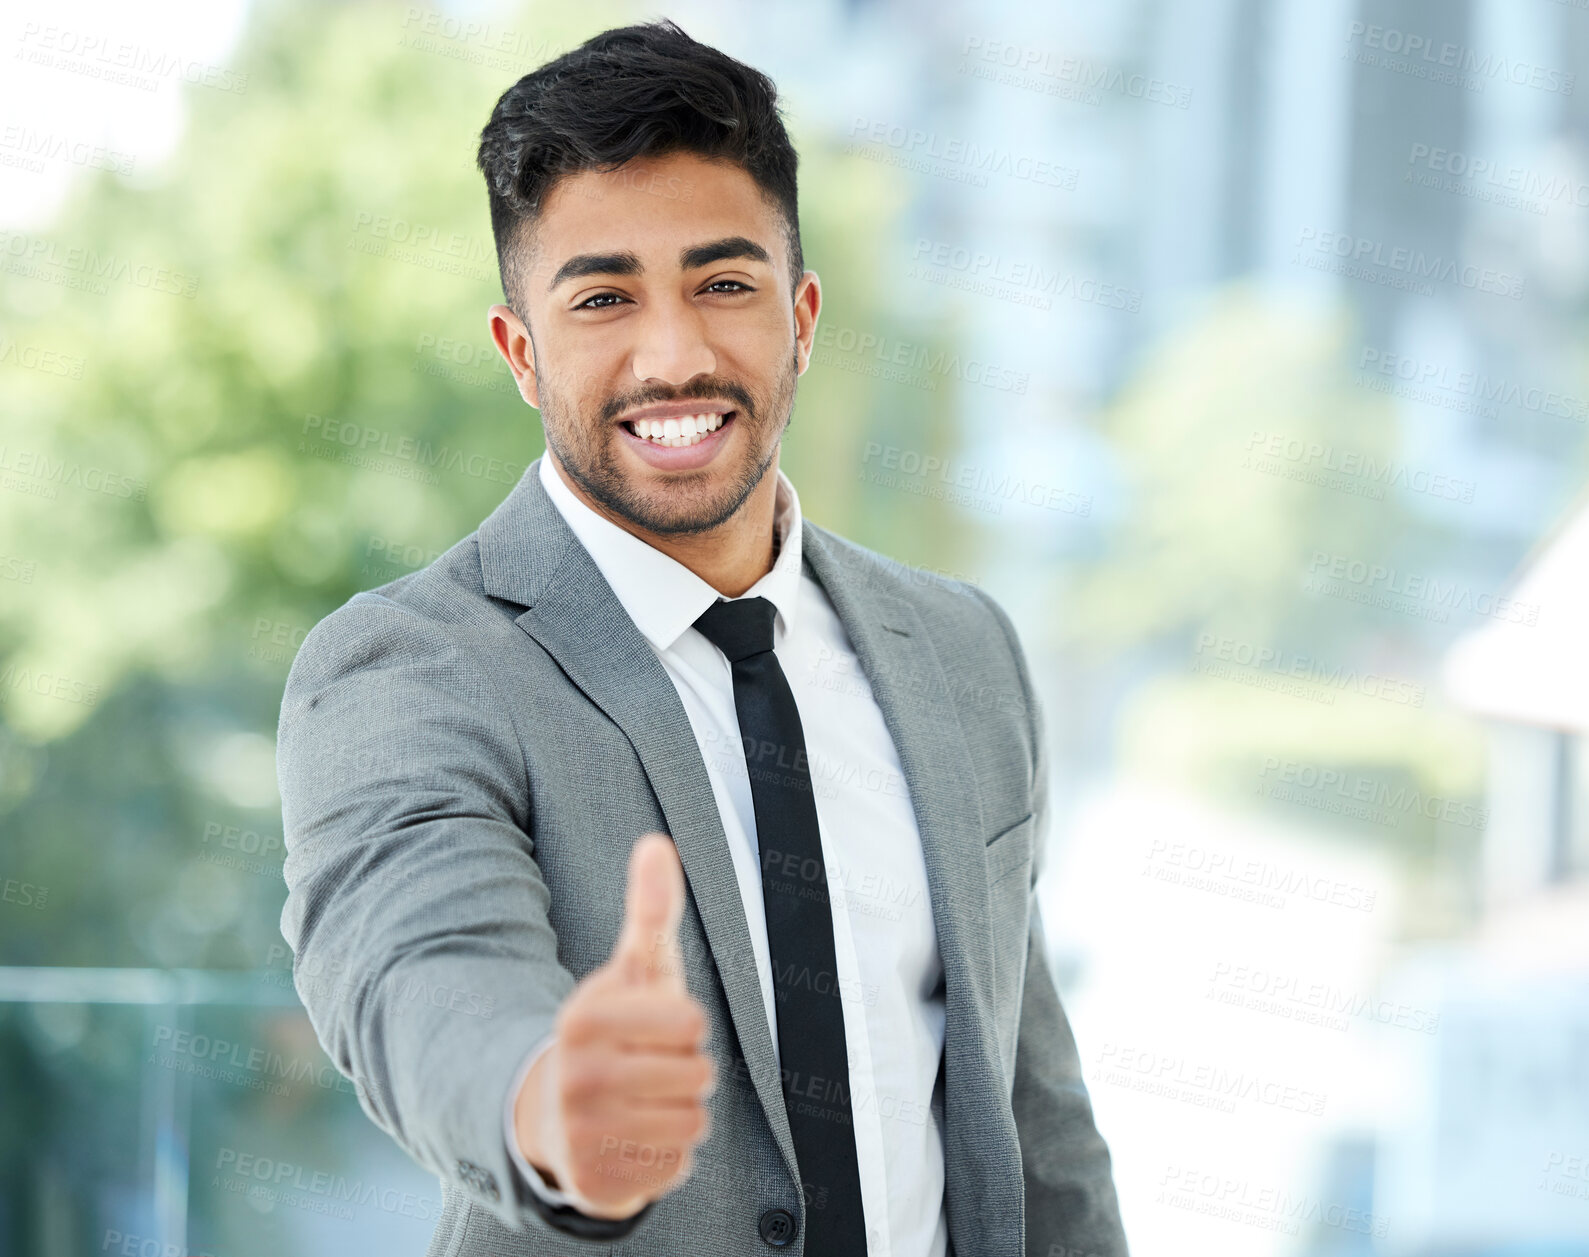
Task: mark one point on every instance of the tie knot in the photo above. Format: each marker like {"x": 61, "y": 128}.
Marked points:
{"x": 739, "y": 628}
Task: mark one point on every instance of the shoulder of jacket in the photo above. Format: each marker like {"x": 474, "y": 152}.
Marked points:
{"x": 949, "y": 603}
{"x": 419, "y": 614}
{"x": 925, "y": 588}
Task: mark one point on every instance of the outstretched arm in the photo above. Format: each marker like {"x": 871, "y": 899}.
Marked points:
{"x": 416, "y": 912}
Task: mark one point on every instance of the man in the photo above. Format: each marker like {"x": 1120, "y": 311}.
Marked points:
{"x": 674, "y": 856}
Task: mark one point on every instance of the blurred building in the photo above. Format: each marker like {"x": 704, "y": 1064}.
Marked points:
{"x": 1488, "y": 1151}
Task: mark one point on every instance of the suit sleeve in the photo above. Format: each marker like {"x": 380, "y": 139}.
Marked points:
{"x": 1071, "y": 1206}
{"x": 415, "y": 910}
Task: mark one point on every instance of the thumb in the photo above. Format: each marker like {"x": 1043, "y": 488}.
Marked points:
{"x": 647, "y": 950}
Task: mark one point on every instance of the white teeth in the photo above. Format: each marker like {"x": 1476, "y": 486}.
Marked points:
{"x": 685, "y": 430}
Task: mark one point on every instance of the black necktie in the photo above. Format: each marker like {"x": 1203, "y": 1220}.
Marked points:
{"x": 815, "y": 1072}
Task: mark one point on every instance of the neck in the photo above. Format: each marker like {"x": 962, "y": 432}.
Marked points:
{"x": 731, "y": 557}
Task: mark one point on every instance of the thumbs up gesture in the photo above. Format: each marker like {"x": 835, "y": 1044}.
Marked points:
{"x": 612, "y": 1111}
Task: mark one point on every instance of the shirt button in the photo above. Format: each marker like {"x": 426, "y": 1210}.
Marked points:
{"x": 874, "y": 1238}
{"x": 777, "y": 1227}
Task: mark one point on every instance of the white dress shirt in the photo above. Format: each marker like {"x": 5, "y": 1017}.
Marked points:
{"x": 883, "y": 933}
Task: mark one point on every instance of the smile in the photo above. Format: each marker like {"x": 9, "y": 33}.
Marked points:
{"x": 675, "y": 433}
{"x": 686, "y": 443}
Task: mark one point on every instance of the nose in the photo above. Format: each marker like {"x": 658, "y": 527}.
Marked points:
{"x": 672, "y": 345}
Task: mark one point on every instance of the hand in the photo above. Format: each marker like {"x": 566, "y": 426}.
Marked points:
{"x": 612, "y": 1111}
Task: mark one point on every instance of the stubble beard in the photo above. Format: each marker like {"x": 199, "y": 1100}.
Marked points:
{"x": 589, "y": 452}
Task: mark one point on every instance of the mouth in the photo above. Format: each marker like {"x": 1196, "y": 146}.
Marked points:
{"x": 679, "y": 444}
{"x": 680, "y": 433}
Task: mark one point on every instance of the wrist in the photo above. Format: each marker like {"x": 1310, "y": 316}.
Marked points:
{"x": 529, "y": 1115}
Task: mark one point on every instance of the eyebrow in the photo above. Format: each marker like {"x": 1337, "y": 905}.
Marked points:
{"x": 690, "y": 258}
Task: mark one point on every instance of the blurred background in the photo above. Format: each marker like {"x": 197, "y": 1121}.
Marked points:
{"x": 1236, "y": 346}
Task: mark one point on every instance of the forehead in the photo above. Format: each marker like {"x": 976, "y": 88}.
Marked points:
{"x": 653, "y": 207}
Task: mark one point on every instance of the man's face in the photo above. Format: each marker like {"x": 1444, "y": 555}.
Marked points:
{"x": 661, "y": 286}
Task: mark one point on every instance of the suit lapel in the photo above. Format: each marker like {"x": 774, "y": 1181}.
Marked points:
{"x": 910, "y": 687}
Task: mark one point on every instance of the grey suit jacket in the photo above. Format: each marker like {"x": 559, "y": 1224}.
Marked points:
{"x": 466, "y": 756}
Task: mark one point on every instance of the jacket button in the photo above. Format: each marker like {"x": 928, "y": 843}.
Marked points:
{"x": 778, "y": 1227}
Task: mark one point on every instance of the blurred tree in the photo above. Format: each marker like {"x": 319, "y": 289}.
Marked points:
{"x": 258, "y": 380}
{"x": 287, "y": 394}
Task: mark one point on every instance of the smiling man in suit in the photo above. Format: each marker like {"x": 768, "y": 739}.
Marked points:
{"x": 675, "y": 856}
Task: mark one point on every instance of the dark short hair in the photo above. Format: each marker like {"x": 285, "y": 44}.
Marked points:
{"x": 633, "y": 91}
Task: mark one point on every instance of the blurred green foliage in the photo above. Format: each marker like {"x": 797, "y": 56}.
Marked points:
{"x": 283, "y": 393}
{"x": 299, "y": 402}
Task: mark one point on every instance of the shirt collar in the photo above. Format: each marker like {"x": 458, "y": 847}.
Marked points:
{"x": 661, "y": 595}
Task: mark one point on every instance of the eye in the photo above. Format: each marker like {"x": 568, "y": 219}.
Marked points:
{"x": 585, "y": 304}
{"x": 734, "y": 286}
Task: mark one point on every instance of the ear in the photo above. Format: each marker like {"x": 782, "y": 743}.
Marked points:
{"x": 512, "y": 340}
{"x": 807, "y": 305}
